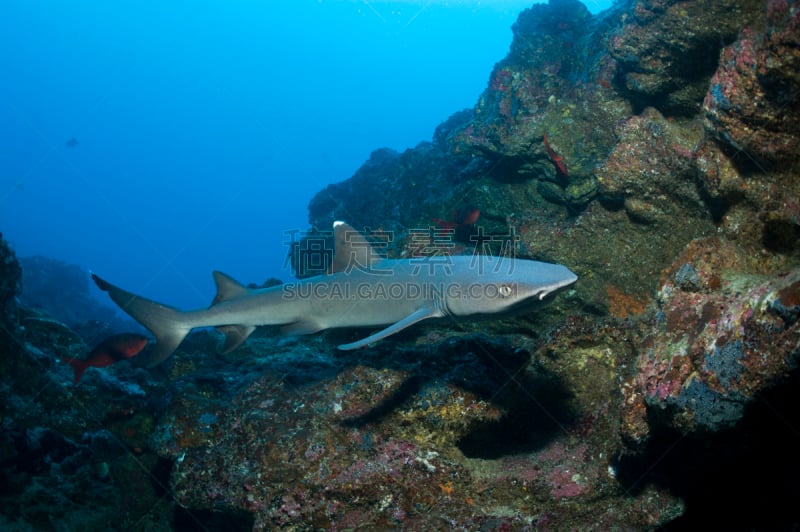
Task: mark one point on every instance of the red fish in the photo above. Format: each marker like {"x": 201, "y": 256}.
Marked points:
{"x": 463, "y": 217}
{"x": 557, "y": 160}
{"x": 112, "y": 349}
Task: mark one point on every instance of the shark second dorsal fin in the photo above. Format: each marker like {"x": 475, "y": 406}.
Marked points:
{"x": 351, "y": 250}
{"x": 408, "y": 321}
{"x": 227, "y": 288}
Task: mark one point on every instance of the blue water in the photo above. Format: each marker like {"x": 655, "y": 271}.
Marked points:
{"x": 152, "y": 142}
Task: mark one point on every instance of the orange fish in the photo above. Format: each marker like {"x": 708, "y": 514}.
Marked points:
{"x": 463, "y": 217}
{"x": 557, "y": 160}
{"x": 112, "y": 349}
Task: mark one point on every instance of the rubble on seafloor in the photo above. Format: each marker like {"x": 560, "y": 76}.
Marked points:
{"x": 651, "y": 148}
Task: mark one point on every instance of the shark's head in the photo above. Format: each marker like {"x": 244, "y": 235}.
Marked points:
{"x": 504, "y": 285}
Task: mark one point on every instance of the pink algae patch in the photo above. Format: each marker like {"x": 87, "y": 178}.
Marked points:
{"x": 565, "y": 483}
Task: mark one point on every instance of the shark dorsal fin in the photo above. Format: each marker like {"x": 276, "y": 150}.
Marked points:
{"x": 351, "y": 250}
{"x": 227, "y": 288}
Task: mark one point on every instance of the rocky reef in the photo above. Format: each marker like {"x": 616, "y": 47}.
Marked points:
{"x": 653, "y": 149}
{"x": 54, "y": 289}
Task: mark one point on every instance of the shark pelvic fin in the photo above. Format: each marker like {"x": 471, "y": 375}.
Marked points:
{"x": 351, "y": 249}
{"x": 408, "y": 321}
{"x": 227, "y": 287}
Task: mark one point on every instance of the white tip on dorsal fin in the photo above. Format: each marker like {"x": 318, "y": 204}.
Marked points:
{"x": 227, "y": 288}
{"x": 350, "y": 249}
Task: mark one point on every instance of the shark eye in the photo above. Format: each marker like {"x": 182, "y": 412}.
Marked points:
{"x": 504, "y": 290}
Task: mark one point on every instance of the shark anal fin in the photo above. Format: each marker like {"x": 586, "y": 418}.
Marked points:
{"x": 408, "y": 321}
{"x": 235, "y": 335}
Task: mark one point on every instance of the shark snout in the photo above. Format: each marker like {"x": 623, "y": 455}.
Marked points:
{"x": 568, "y": 278}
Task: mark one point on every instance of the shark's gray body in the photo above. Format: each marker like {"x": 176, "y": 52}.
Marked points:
{"x": 363, "y": 290}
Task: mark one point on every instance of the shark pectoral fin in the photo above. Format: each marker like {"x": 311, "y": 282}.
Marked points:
{"x": 408, "y": 321}
{"x": 301, "y": 327}
{"x": 235, "y": 335}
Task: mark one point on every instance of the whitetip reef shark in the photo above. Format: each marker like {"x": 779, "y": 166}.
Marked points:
{"x": 361, "y": 289}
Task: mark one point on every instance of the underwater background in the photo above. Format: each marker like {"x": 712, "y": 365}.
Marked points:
{"x": 651, "y": 146}
{"x": 183, "y": 138}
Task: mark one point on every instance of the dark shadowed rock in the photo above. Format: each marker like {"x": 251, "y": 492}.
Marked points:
{"x": 667, "y": 50}
{"x": 61, "y": 290}
{"x": 390, "y": 191}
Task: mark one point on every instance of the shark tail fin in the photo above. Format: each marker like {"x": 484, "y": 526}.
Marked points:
{"x": 167, "y": 324}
